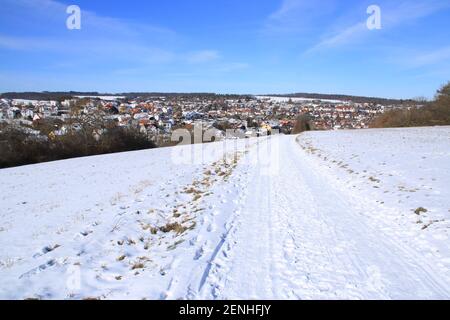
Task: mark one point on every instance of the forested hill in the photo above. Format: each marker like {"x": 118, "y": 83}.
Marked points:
{"x": 46, "y": 95}
{"x": 358, "y": 99}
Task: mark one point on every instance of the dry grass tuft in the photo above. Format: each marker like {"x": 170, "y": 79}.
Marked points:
{"x": 138, "y": 265}
{"x": 374, "y": 180}
{"x": 190, "y": 190}
{"x": 176, "y": 227}
{"x": 420, "y": 210}
{"x": 121, "y": 258}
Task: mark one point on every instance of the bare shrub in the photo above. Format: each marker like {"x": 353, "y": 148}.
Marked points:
{"x": 436, "y": 113}
{"x": 21, "y": 146}
{"x": 302, "y": 124}
{"x": 176, "y": 227}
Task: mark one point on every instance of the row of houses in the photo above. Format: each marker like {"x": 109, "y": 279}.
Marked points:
{"x": 161, "y": 115}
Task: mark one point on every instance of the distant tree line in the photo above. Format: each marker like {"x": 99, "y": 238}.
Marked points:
{"x": 356, "y": 99}
{"x": 42, "y": 96}
{"x": 435, "y": 113}
{"x": 86, "y": 136}
{"x": 60, "y": 96}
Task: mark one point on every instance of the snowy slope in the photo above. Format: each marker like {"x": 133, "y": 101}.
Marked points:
{"x": 323, "y": 215}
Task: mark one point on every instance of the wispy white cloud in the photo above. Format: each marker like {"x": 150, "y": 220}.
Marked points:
{"x": 429, "y": 58}
{"x": 393, "y": 15}
{"x": 297, "y": 16}
{"x": 287, "y": 7}
{"x": 94, "y": 49}
{"x": 101, "y": 38}
{"x": 203, "y": 56}
{"x": 405, "y": 11}
{"x": 51, "y": 14}
{"x": 16, "y": 43}
{"x": 232, "y": 67}
{"x": 346, "y": 35}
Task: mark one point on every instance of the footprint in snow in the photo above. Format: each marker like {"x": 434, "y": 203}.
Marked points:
{"x": 46, "y": 250}
{"x": 211, "y": 227}
{"x": 39, "y": 269}
{"x": 199, "y": 253}
{"x": 86, "y": 233}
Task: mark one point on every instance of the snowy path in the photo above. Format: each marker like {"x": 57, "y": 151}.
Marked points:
{"x": 325, "y": 215}
{"x": 298, "y": 237}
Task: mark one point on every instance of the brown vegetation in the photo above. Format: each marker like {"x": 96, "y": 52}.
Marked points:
{"x": 302, "y": 124}
{"x": 435, "y": 113}
{"x": 86, "y": 136}
{"x": 176, "y": 227}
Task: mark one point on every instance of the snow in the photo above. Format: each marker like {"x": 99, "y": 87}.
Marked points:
{"x": 322, "y": 215}
{"x": 296, "y": 99}
{"x": 32, "y": 102}
{"x": 106, "y": 98}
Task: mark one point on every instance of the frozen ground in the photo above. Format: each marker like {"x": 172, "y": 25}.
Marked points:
{"x": 324, "y": 215}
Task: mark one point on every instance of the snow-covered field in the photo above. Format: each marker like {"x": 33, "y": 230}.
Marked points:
{"x": 324, "y": 215}
{"x": 296, "y": 99}
{"x": 107, "y": 98}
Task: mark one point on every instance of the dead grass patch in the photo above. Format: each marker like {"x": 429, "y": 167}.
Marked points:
{"x": 138, "y": 265}
{"x": 374, "y": 180}
{"x": 175, "y": 227}
{"x": 420, "y": 210}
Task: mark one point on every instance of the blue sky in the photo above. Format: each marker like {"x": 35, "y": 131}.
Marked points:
{"x": 226, "y": 46}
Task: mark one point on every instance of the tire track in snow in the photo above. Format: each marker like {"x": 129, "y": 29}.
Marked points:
{"x": 298, "y": 237}
{"x": 417, "y": 277}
